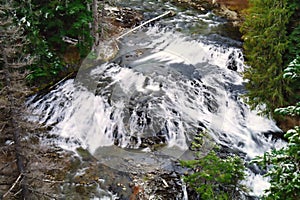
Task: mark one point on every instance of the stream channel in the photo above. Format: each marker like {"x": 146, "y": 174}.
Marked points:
{"x": 170, "y": 81}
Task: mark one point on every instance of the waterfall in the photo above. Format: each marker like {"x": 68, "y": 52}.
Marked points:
{"x": 160, "y": 91}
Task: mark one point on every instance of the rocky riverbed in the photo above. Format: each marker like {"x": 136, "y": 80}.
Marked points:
{"x": 232, "y": 10}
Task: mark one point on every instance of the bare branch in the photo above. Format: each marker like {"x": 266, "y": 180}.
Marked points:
{"x": 3, "y": 126}
{"x": 48, "y": 180}
{"x": 143, "y": 24}
{"x": 12, "y": 187}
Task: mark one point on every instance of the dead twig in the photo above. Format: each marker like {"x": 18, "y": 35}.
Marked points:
{"x": 62, "y": 80}
{"x": 13, "y": 186}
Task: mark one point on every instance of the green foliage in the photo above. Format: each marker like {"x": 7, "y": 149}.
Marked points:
{"x": 266, "y": 44}
{"x": 214, "y": 177}
{"x": 198, "y": 142}
{"x": 290, "y": 110}
{"x": 294, "y": 38}
{"x": 46, "y": 23}
{"x": 48, "y": 63}
{"x": 292, "y": 72}
{"x": 284, "y": 168}
{"x": 284, "y": 164}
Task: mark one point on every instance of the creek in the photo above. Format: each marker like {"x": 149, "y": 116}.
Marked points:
{"x": 169, "y": 81}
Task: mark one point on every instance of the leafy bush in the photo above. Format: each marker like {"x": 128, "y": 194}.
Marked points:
{"x": 214, "y": 177}
{"x": 283, "y": 168}
{"x": 46, "y": 24}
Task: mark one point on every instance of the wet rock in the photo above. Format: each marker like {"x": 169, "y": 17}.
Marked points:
{"x": 236, "y": 5}
{"x": 192, "y": 194}
{"x": 85, "y": 154}
{"x": 256, "y": 169}
{"x": 202, "y": 5}
{"x": 229, "y": 9}
{"x": 279, "y": 135}
{"x": 115, "y": 20}
{"x": 232, "y": 10}
{"x": 123, "y": 16}
{"x": 158, "y": 184}
{"x": 153, "y": 143}
{"x": 232, "y": 63}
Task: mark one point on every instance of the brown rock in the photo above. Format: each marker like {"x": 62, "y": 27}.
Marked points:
{"x": 236, "y": 5}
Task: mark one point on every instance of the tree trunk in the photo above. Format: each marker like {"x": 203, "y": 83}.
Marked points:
{"x": 95, "y": 26}
{"x": 15, "y": 126}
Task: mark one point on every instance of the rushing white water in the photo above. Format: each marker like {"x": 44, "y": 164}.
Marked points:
{"x": 163, "y": 87}
{"x": 170, "y": 88}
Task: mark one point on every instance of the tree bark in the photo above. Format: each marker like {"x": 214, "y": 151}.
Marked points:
{"x": 15, "y": 127}
{"x": 95, "y": 26}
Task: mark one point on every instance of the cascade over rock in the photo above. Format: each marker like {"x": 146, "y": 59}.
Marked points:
{"x": 169, "y": 81}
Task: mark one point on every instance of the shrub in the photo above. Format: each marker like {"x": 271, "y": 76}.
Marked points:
{"x": 46, "y": 24}
{"x": 214, "y": 177}
{"x": 283, "y": 169}
{"x": 283, "y": 165}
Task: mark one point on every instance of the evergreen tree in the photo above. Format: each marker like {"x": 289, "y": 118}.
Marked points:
{"x": 266, "y": 43}
{"x": 13, "y": 126}
{"x": 29, "y": 169}
{"x": 24, "y": 164}
{"x": 283, "y": 164}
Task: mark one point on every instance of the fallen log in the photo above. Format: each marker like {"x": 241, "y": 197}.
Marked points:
{"x": 172, "y": 13}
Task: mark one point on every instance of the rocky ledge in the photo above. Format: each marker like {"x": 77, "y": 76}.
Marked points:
{"x": 232, "y": 10}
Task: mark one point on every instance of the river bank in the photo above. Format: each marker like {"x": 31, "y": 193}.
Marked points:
{"x": 232, "y": 10}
